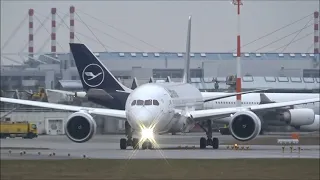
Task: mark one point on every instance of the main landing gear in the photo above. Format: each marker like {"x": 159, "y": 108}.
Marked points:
{"x": 134, "y": 142}
{"x": 214, "y": 142}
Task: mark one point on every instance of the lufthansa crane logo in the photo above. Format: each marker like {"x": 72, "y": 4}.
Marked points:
{"x": 93, "y": 75}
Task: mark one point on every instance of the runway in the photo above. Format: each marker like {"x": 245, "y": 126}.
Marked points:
{"x": 172, "y": 147}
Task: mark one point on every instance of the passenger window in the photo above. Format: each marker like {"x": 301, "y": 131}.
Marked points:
{"x": 148, "y": 102}
{"x": 139, "y": 102}
{"x": 155, "y": 102}
{"x": 34, "y": 126}
{"x": 133, "y": 103}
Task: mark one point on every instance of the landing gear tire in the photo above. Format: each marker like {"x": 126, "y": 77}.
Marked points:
{"x": 203, "y": 143}
{"x": 129, "y": 141}
{"x": 215, "y": 143}
{"x": 123, "y": 143}
{"x": 135, "y": 143}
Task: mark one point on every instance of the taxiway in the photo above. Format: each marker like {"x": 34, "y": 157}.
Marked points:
{"x": 172, "y": 147}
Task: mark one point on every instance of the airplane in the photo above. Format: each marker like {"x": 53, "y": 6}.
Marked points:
{"x": 158, "y": 108}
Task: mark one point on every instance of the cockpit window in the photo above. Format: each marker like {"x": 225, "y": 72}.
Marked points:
{"x": 139, "y": 102}
{"x": 155, "y": 102}
{"x": 148, "y": 102}
{"x": 133, "y": 103}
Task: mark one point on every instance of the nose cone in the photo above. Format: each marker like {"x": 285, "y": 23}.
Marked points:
{"x": 143, "y": 117}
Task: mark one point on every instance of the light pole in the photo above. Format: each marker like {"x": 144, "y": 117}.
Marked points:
{"x": 238, "y": 81}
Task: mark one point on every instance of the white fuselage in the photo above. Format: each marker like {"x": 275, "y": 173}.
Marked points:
{"x": 165, "y": 105}
{"x": 170, "y": 97}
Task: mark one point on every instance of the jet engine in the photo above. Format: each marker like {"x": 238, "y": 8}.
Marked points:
{"x": 298, "y": 117}
{"x": 80, "y": 127}
{"x": 245, "y": 125}
{"x": 311, "y": 127}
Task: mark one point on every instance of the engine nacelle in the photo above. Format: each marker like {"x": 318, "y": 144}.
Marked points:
{"x": 298, "y": 117}
{"x": 312, "y": 127}
{"x": 276, "y": 123}
{"x": 245, "y": 125}
{"x": 80, "y": 127}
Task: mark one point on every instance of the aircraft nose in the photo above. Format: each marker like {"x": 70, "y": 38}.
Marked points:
{"x": 142, "y": 116}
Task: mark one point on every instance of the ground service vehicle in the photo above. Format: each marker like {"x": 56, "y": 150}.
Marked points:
{"x": 25, "y": 130}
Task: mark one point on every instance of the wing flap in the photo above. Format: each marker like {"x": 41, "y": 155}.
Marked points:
{"x": 98, "y": 111}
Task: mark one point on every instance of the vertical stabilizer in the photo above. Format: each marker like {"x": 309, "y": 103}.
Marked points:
{"x": 93, "y": 73}
{"x": 186, "y": 75}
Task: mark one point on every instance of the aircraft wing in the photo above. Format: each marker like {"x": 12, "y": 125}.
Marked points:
{"x": 98, "y": 111}
{"x": 225, "y": 112}
{"x": 208, "y": 96}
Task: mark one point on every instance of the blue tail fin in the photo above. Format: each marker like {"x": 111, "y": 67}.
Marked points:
{"x": 92, "y": 72}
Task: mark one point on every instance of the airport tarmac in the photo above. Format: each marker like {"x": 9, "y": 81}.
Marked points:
{"x": 172, "y": 147}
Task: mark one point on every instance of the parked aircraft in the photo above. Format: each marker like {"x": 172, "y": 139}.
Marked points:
{"x": 158, "y": 108}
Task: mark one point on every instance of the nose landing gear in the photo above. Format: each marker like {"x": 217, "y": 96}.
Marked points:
{"x": 214, "y": 142}
{"x": 124, "y": 143}
{"x": 134, "y": 142}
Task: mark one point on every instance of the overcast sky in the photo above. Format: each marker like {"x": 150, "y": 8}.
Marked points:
{"x": 162, "y": 24}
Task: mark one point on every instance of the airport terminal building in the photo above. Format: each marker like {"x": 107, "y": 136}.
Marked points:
{"x": 287, "y": 70}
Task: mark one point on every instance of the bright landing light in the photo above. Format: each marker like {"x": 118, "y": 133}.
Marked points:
{"x": 147, "y": 133}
